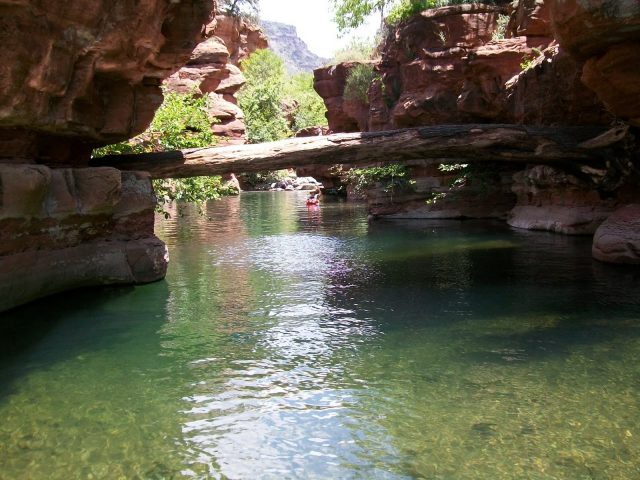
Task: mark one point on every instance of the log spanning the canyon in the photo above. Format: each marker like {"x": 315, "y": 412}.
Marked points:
{"x": 443, "y": 144}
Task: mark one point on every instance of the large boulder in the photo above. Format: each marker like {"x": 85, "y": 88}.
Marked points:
{"x": 617, "y": 240}
{"x": 76, "y": 74}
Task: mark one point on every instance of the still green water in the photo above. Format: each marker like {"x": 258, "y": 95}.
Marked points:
{"x": 294, "y": 343}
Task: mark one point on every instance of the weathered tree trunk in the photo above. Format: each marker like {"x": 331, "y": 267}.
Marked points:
{"x": 443, "y": 144}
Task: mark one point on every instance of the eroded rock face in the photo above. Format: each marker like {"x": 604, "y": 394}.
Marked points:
{"x": 438, "y": 194}
{"x": 605, "y": 35}
{"x": 422, "y": 66}
{"x": 553, "y": 200}
{"x": 68, "y": 228}
{"x": 551, "y": 92}
{"x": 487, "y": 71}
{"x": 617, "y": 240}
{"x": 343, "y": 115}
{"x": 76, "y": 74}
{"x": 530, "y": 18}
{"x": 213, "y": 70}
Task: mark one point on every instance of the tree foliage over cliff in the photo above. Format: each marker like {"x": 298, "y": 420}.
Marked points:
{"x": 180, "y": 122}
{"x": 349, "y": 14}
{"x": 236, "y": 8}
{"x": 275, "y": 105}
{"x": 261, "y": 98}
{"x": 309, "y": 108}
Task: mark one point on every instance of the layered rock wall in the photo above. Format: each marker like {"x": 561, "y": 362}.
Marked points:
{"x": 76, "y": 74}
{"x": 68, "y": 228}
{"x": 213, "y": 70}
{"x": 605, "y": 35}
{"x": 560, "y": 62}
{"x": 343, "y": 115}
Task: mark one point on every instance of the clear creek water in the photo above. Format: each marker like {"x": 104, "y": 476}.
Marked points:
{"x": 289, "y": 343}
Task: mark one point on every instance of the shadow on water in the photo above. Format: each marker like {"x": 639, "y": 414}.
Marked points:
{"x": 521, "y": 295}
{"x": 64, "y": 326}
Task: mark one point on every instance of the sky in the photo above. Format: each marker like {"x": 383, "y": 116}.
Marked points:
{"x": 313, "y": 19}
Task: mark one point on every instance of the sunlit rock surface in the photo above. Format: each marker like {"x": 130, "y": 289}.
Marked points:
{"x": 68, "y": 228}
{"x": 343, "y": 114}
{"x": 213, "y": 70}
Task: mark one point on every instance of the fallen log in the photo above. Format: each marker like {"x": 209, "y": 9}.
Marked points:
{"x": 443, "y": 144}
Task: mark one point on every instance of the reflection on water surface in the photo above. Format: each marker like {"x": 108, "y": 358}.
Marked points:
{"x": 288, "y": 343}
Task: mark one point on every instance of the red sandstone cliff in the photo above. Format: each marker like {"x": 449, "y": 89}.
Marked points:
{"x": 562, "y": 62}
{"x": 213, "y": 70}
{"x": 75, "y": 74}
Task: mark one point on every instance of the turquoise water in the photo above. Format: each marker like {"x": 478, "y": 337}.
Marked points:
{"x": 295, "y": 343}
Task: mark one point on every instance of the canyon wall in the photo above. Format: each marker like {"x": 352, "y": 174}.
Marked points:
{"x": 75, "y": 75}
{"x": 213, "y": 70}
{"x": 67, "y": 228}
{"x": 556, "y": 63}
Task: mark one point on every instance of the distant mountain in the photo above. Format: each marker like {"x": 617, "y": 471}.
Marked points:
{"x": 284, "y": 40}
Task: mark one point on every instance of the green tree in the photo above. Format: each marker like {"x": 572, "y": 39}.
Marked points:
{"x": 349, "y": 14}
{"x": 309, "y": 107}
{"x": 236, "y": 8}
{"x": 358, "y": 81}
{"x": 262, "y": 97}
{"x": 180, "y": 122}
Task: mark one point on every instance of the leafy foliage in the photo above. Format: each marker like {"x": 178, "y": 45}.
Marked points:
{"x": 358, "y": 81}
{"x": 501, "y": 29}
{"x": 358, "y": 50}
{"x": 237, "y": 8}
{"x": 255, "y": 179}
{"x": 407, "y": 8}
{"x": 268, "y": 92}
{"x": 262, "y": 97}
{"x": 393, "y": 177}
{"x": 349, "y": 14}
{"x": 195, "y": 189}
{"x": 180, "y": 122}
{"x": 528, "y": 61}
{"x": 309, "y": 107}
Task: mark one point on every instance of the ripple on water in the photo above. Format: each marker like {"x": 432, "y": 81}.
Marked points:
{"x": 295, "y": 344}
